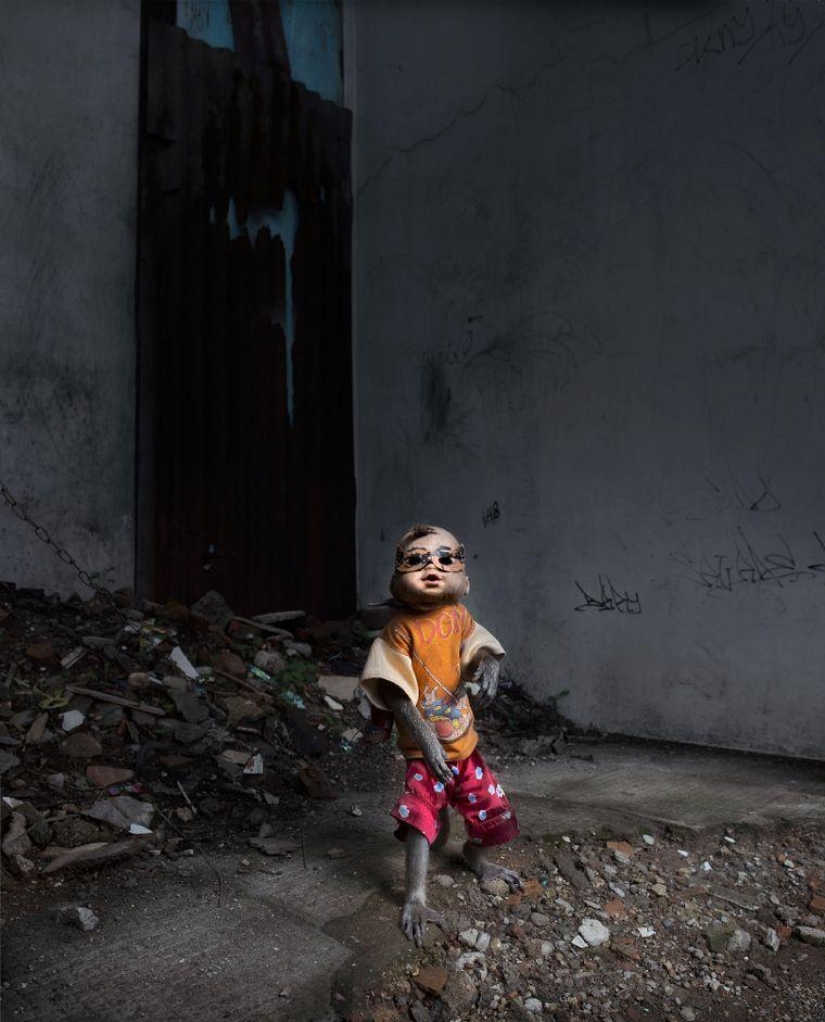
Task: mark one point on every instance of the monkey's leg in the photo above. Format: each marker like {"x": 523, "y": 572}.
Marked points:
{"x": 485, "y": 870}
{"x": 415, "y": 914}
{"x": 444, "y": 829}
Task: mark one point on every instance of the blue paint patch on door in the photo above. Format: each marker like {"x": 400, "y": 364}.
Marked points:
{"x": 207, "y": 20}
{"x": 282, "y": 223}
{"x": 314, "y": 42}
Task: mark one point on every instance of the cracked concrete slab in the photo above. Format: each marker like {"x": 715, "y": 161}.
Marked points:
{"x": 297, "y": 939}
{"x": 679, "y": 786}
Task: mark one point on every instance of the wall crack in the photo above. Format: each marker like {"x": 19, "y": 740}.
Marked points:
{"x": 518, "y": 91}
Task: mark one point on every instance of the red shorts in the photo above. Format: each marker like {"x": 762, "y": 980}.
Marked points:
{"x": 475, "y": 793}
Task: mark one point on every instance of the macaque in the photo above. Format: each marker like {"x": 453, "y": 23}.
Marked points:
{"x": 423, "y": 668}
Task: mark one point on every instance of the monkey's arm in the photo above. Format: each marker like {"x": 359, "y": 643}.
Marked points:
{"x": 481, "y": 654}
{"x": 407, "y": 714}
{"x": 483, "y": 679}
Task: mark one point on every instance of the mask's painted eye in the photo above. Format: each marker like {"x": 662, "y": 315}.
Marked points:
{"x": 446, "y": 560}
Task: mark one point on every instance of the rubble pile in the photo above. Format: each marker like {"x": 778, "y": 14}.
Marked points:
{"x": 124, "y": 726}
{"x": 623, "y": 929}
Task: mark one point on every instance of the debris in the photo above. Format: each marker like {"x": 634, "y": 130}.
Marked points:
{"x": 269, "y": 661}
{"x": 431, "y": 979}
{"x": 96, "y": 854}
{"x": 718, "y": 934}
{"x": 40, "y": 651}
{"x": 78, "y": 916}
{"x": 240, "y": 708}
{"x": 183, "y": 663}
{"x": 316, "y": 783}
{"x": 278, "y": 616}
{"x": 810, "y": 935}
{"x": 123, "y": 812}
{"x": 16, "y": 841}
{"x": 495, "y": 886}
{"x": 333, "y": 704}
{"x": 615, "y": 908}
{"x": 105, "y": 697}
{"x": 72, "y": 719}
{"x": 212, "y": 607}
{"x": 743, "y": 899}
{"x": 103, "y": 776}
{"x": 338, "y": 686}
{"x": 460, "y": 992}
{"x": 74, "y": 831}
{"x": 81, "y": 745}
{"x": 193, "y": 709}
{"x": 229, "y": 664}
{"x": 72, "y": 658}
{"x": 569, "y": 869}
{"x": 301, "y": 648}
{"x": 337, "y": 853}
{"x": 292, "y": 699}
{"x": 254, "y": 765}
{"x": 594, "y": 932}
{"x": 37, "y": 731}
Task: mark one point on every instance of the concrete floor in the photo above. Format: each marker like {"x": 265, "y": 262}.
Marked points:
{"x": 279, "y": 939}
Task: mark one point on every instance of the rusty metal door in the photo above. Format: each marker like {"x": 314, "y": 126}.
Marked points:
{"x": 245, "y": 461}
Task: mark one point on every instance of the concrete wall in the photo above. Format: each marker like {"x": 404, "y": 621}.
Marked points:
{"x": 590, "y": 246}
{"x": 68, "y": 200}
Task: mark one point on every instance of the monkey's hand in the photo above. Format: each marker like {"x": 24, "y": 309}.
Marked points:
{"x": 414, "y": 919}
{"x": 434, "y": 755}
{"x": 422, "y": 734}
{"x": 485, "y": 679}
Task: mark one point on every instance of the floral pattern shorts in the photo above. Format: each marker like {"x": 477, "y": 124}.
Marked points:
{"x": 475, "y": 793}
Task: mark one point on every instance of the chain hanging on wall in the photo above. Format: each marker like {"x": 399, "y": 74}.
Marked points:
{"x": 43, "y": 535}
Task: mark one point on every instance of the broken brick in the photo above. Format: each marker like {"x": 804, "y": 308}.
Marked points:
{"x": 622, "y": 846}
{"x": 40, "y": 651}
{"x": 103, "y": 776}
{"x": 431, "y": 979}
{"x": 229, "y": 663}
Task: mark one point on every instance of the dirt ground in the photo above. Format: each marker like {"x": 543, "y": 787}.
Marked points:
{"x": 265, "y": 883}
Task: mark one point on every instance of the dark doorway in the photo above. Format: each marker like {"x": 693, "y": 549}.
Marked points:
{"x": 245, "y": 460}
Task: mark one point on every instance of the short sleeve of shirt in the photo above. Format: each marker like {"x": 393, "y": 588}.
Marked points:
{"x": 477, "y": 641}
{"x": 390, "y": 660}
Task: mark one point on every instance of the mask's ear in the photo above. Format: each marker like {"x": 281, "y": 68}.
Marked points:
{"x": 466, "y": 588}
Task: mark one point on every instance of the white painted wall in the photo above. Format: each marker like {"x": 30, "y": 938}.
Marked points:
{"x": 590, "y": 290}
{"x": 68, "y": 202}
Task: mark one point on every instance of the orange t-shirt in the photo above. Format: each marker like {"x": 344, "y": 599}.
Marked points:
{"x": 424, "y": 652}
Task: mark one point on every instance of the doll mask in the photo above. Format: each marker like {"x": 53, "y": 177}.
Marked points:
{"x": 429, "y": 568}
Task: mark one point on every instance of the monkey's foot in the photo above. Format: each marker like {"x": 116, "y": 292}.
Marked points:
{"x": 489, "y": 871}
{"x": 485, "y": 870}
{"x": 414, "y": 919}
